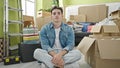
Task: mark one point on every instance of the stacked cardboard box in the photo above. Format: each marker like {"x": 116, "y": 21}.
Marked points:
{"x": 78, "y": 18}
{"x": 117, "y": 23}
{"x": 43, "y": 14}
{"x": 102, "y": 49}
{"x": 116, "y": 17}
{"x": 40, "y": 21}
{"x": 28, "y": 20}
{"x": 105, "y": 30}
{"x": 94, "y": 13}
{"x": 116, "y": 14}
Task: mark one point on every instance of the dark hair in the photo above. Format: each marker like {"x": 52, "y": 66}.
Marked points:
{"x": 55, "y": 7}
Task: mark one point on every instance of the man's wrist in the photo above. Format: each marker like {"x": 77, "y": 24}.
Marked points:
{"x": 52, "y": 53}
{"x": 63, "y": 52}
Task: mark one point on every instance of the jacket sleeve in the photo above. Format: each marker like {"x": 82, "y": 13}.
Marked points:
{"x": 71, "y": 40}
{"x": 44, "y": 40}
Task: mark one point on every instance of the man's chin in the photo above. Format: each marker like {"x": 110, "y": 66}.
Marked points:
{"x": 57, "y": 21}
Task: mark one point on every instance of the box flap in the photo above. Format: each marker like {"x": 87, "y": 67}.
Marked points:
{"x": 85, "y": 44}
{"x": 96, "y": 29}
{"x": 110, "y": 29}
{"x": 109, "y": 49}
{"x": 117, "y": 10}
{"x": 105, "y": 29}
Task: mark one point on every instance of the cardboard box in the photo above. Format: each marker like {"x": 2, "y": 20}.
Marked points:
{"x": 101, "y": 53}
{"x": 105, "y": 30}
{"x": 117, "y": 22}
{"x": 115, "y": 14}
{"x": 43, "y": 14}
{"x": 41, "y": 21}
{"x": 94, "y": 13}
{"x": 64, "y": 20}
{"x": 78, "y": 18}
{"x": 72, "y": 17}
{"x": 28, "y": 20}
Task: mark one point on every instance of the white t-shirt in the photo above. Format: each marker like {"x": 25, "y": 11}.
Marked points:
{"x": 57, "y": 44}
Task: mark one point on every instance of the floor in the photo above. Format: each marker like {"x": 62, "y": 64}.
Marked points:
{"x": 35, "y": 64}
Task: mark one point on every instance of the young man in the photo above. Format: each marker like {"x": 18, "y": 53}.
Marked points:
{"x": 57, "y": 41}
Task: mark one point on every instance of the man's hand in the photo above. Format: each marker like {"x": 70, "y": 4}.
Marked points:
{"x": 58, "y": 60}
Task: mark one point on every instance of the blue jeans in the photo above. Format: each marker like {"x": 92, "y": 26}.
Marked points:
{"x": 69, "y": 58}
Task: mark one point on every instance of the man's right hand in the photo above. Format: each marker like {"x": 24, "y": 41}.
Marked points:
{"x": 57, "y": 59}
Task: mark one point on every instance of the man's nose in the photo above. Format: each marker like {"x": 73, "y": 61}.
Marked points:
{"x": 56, "y": 14}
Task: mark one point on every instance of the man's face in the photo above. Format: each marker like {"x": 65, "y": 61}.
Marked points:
{"x": 57, "y": 15}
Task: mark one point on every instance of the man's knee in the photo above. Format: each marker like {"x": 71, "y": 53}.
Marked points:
{"x": 77, "y": 53}
{"x": 74, "y": 53}
{"x": 72, "y": 56}
{"x": 35, "y": 53}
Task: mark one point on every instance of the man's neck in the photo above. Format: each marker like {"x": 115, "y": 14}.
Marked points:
{"x": 57, "y": 24}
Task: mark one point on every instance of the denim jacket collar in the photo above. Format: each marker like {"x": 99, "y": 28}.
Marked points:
{"x": 52, "y": 26}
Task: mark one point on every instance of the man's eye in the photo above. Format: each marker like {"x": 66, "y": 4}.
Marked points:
{"x": 54, "y": 13}
{"x": 58, "y": 13}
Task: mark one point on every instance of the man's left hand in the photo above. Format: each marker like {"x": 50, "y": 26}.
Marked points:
{"x": 58, "y": 60}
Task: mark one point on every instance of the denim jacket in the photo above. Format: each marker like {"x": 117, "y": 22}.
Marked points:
{"x": 66, "y": 37}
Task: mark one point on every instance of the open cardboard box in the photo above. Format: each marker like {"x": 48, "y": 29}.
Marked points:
{"x": 105, "y": 30}
{"x": 101, "y": 53}
{"x": 116, "y": 14}
{"x": 117, "y": 22}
